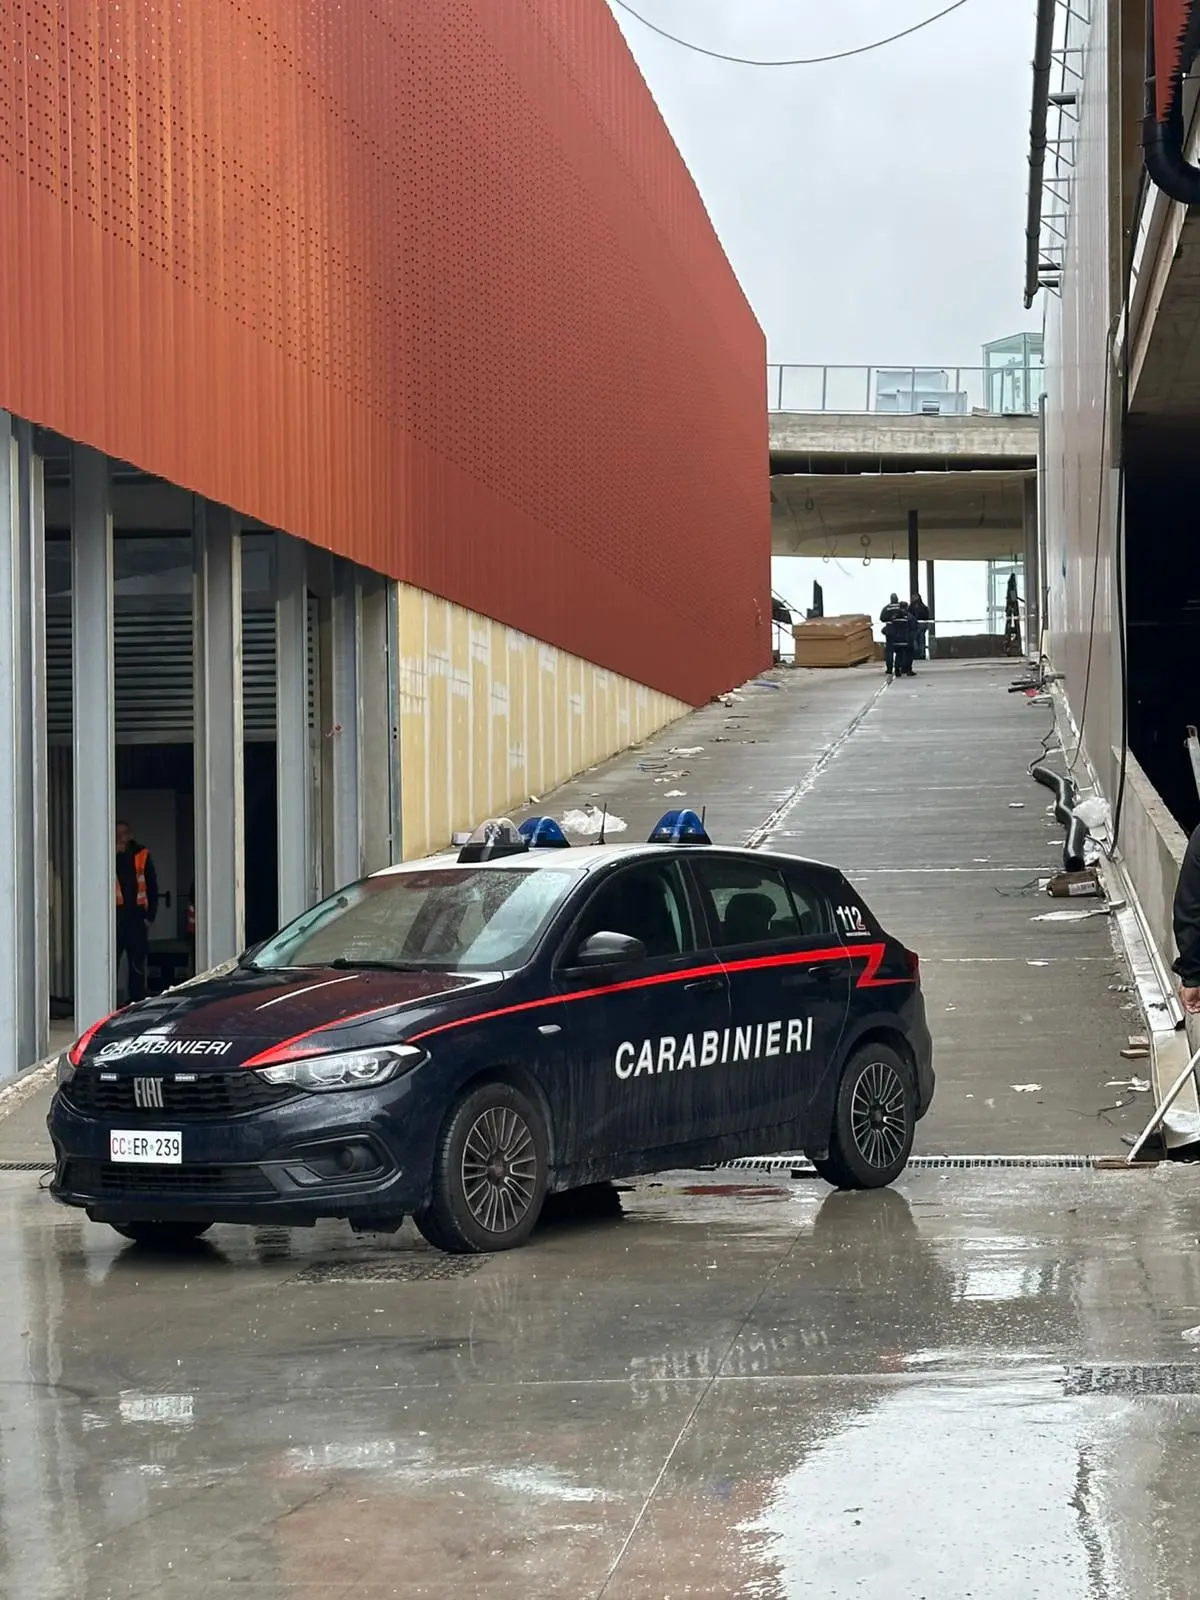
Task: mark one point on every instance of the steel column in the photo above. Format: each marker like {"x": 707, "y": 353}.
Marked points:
{"x": 1032, "y": 573}
{"x": 346, "y": 704}
{"x": 33, "y": 838}
{"x": 94, "y": 765}
{"x": 931, "y": 602}
{"x": 293, "y": 779}
{"x": 11, "y": 787}
{"x": 914, "y": 554}
{"x": 379, "y": 741}
{"x": 219, "y": 808}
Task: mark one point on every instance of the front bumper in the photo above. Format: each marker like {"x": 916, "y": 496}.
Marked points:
{"x": 360, "y": 1155}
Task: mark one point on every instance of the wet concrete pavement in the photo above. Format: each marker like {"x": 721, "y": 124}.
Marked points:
{"x": 985, "y": 1383}
{"x": 977, "y": 1385}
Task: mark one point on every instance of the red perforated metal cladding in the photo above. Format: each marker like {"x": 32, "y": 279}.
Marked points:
{"x": 424, "y": 281}
{"x": 1170, "y": 19}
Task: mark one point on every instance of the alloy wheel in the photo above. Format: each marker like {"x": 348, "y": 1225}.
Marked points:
{"x": 499, "y": 1169}
{"x": 879, "y": 1115}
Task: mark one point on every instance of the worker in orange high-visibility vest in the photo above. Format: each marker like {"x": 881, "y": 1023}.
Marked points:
{"x": 137, "y": 907}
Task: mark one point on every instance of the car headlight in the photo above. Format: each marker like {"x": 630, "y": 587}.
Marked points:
{"x": 354, "y": 1069}
{"x": 65, "y": 1070}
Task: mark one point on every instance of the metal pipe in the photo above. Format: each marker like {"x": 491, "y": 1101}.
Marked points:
{"x": 1043, "y": 61}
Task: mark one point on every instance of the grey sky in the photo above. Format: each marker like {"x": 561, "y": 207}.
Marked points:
{"x": 874, "y": 208}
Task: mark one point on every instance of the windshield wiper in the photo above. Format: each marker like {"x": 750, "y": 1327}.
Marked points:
{"x": 347, "y": 964}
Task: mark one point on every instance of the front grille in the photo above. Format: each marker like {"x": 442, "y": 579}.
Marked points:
{"x": 102, "y": 1178}
{"x": 209, "y": 1094}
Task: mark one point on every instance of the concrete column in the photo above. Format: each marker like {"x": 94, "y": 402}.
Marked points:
{"x": 914, "y": 554}
{"x": 94, "y": 766}
{"x": 33, "y": 841}
{"x": 219, "y": 810}
{"x": 293, "y": 778}
{"x": 931, "y": 602}
{"x": 380, "y": 741}
{"x": 345, "y": 686}
{"x": 1032, "y": 568}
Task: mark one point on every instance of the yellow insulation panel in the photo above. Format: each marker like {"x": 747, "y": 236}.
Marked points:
{"x": 489, "y": 717}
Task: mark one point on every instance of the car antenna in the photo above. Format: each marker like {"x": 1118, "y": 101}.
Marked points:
{"x": 600, "y": 839}
{"x": 703, "y": 816}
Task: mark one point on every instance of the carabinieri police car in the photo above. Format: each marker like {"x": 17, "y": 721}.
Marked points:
{"x": 453, "y": 1038}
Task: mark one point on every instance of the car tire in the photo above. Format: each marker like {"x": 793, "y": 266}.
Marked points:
{"x": 162, "y": 1235}
{"x": 490, "y": 1172}
{"x": 874, "y": 1120}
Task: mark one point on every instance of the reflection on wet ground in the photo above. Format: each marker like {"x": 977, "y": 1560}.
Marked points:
{"x": 695, "y": 1388}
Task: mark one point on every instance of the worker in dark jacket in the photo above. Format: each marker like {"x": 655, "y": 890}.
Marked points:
{"x": 137, "y": 907}
{"x": 1187, "y": 925}
{"x": 920, "y": 616}
{"x": 899, "y": 634}
{"x": 897, "y": 625}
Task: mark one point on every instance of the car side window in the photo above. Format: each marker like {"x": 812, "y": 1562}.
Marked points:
{"x": 645, "y": 902}
{"x": 813, "y": 911}
{"x": 752, "y": 904}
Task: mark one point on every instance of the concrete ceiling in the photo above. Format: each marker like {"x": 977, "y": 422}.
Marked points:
{"x": 962, "y": 516}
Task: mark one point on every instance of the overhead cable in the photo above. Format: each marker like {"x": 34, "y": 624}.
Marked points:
{"x": 798, "y": 61}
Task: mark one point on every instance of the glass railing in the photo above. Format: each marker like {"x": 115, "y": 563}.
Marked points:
{"x": 908, "y": 391}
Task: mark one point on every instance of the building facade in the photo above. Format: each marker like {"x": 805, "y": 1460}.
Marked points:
{"x": 386, "y": 442}
{"x": 1114, "y": 252}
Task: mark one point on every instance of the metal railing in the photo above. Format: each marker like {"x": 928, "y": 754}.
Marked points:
{"x": 907, "y": 391}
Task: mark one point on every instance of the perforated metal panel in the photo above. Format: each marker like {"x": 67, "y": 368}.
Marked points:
{"x": 425, "y": 282}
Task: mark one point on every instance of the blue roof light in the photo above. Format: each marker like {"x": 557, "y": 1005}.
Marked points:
{"x": 680, "y": 827}
{"x": 543, "y": 833}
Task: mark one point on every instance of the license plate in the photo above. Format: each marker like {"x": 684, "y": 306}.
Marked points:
{"x": 146, "y": 1149}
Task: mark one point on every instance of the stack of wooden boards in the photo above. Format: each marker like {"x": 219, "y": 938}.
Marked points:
{"x": 834, "y": 642}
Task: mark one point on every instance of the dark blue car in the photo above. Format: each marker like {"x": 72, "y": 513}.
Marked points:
{"x": 454, "y": 1038}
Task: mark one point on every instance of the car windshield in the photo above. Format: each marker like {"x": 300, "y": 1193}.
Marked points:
{"x": 448, "y": 919}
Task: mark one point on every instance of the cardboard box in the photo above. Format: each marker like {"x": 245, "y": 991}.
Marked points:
{"x": 834, "y": 642}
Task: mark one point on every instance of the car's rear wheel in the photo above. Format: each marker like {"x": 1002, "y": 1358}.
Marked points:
{"x": 874, "y": 1120}
{"x": 162, "y": 1235}
{"x": 489, "y": 1173}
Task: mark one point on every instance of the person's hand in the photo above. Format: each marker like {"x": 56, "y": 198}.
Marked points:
{"x": 1190, "y": 996}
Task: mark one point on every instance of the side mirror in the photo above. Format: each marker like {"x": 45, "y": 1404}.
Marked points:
{"x": 606, "y": 951}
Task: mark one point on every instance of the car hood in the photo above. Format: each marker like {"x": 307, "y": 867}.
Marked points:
{"x": 224, "y": 1021}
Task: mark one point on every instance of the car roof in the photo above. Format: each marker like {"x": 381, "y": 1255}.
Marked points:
{"x": 588, "y": 857}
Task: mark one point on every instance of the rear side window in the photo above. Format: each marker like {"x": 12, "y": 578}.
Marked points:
{"x": 752, "y": 904}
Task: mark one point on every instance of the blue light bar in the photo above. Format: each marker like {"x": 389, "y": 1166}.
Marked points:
{"x": 543, "y": 833}
{"x": 680, "y": 827}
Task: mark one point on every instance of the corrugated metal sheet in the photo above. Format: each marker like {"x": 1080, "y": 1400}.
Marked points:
{"x": 426, "y": 283}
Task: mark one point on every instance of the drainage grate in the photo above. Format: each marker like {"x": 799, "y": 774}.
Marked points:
{"x": 416, "y": 1268}
{"x": 1174, "y": 1377}
{"x": 800, "y": 1166}
{"x": 26, "y": 1166}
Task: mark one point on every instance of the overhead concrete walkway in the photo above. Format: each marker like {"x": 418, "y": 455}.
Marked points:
{"x": 919, "y": 790}
{"x": 843, "y": 485}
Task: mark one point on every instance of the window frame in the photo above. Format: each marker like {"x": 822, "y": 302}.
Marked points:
{"x": 692, "y": 910}
{"x": 814, "y": 894}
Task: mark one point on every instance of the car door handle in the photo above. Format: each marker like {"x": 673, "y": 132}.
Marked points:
{"x": 823, "y": 971}
{"x": 705, "y": 986}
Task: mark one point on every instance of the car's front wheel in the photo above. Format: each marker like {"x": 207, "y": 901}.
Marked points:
{"x": 874, "y": 1120}
{"x": 162, "y": 1235}
{"x": 489, "y": 1173}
